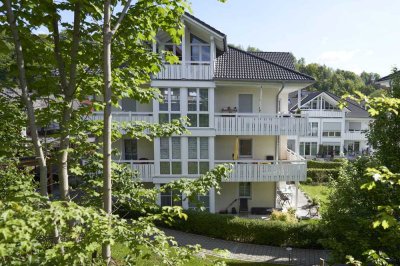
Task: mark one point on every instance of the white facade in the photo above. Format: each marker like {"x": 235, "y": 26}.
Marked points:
{"x": 238, "y": 122}
{"x": 331, "y": 131}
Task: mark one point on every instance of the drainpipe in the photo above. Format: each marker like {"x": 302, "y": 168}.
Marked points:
{"x": 277, "y": 110}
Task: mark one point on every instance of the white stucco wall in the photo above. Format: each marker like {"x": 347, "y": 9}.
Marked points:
{"x": 262, "y": 195}
{"x": 229, "y": 96}
{"x": 262, "y": 146}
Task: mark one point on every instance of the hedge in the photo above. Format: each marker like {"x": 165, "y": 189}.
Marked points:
{"x": 304, "y": 234}
{"x": 324, "y": 165}
{"x": 318, "y": 175}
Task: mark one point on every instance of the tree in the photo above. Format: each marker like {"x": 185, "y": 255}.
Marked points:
{"x": 337, "y": 81}
{"x": 384, "y": 130}
{"x": 363, "y": 217}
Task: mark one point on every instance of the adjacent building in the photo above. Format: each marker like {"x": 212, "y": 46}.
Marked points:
{"x": 237, "y": 105}
{"x": 332, "y": 131}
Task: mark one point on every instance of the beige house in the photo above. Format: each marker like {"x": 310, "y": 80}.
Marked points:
{"x": 236, "y": 103}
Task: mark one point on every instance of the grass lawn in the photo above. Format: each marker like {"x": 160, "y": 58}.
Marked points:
{"x": 119, "y": 251}
{"x": 318, "y": 192}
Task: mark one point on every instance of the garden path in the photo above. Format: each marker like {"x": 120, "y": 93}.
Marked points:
{"x": 250, "y": 252}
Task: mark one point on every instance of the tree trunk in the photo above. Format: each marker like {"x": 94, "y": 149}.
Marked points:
{"x": 107, "y": 35}
{"x": 27, "y": 100}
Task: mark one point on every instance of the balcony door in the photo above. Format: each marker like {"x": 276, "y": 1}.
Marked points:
{"x": 130, "y": 146}
{"x": 245, "y": 103}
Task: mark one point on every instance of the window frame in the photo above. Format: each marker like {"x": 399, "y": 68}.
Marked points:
{"x": 198, "y": 160}
{"x": 197, "y": 112}
{"x": 249, "y": 190}
{"x": 170, "y": 160}
{"x": 251, "y": 149}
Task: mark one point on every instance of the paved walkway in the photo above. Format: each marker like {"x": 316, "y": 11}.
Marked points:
{"x": 250, "y": 252}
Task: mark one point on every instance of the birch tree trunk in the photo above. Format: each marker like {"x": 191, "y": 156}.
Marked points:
{"x": 27, "y": 100}
{"x": 107, "y": 35}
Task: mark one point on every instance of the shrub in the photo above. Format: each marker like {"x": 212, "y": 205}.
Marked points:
{"x": 276, "y": 233}
{"x": 322, "y": 175}
{"x": 289, "y": 217}
{"x": 325, "y": 165}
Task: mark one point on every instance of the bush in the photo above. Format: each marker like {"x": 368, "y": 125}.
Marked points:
{"x": 276, "y": 233}
{"x": 322, "y": 175}
{"x": 289, "y": 217}
{"x": 325, "y": 165}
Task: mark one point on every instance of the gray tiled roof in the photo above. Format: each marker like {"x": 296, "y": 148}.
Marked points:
{"x": 281, "y": 58}
{"x": 388, "y": 76}
{"x": 236, "y": 64}
{"x": 356, "y": 110}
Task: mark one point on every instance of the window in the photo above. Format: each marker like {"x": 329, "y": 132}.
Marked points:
{"x": 199, "y": 50}
{"x": 198, "y": 155}
{"x": 319, "y": 103}
{"x": 313, "y": 129}
{"x": 170, "y": 156}
{"x": 200, "y": 201}
{"x": 130, "y": 149}
{"x": 244, "y": 190}
{"x": 170, "y": 107}
{"x": 353, "y": 148}
{"x": 331, "y": 134}
{"x": 308, "y": 148}
{"x": 198, "y": 108}
{"x": 171, "y": 198}
{"x": 128, "y": 105}
{"x": 245, "y": 148}
{"x": 174, "y": 49}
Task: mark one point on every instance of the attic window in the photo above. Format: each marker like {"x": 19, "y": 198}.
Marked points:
{"x": 199, "y": 49}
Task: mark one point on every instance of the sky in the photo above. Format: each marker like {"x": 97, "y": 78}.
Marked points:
{"x": 356, "y": 35}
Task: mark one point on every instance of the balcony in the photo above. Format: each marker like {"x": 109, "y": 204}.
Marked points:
{"x": 126, "y": 116}
{"x": 355, "y": 135}
{"x": 324, "y": 113}
{"x": 193, "y": 70}
{"x": 266, "y": 171}
{"x": 260, "y": 124}
{"x": 145, "y": 168}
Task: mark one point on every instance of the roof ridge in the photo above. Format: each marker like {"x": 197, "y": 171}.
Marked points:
{"x": 278, "y": 65}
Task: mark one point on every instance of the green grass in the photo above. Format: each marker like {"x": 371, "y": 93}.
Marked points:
{"x": 119, "y": 251}
{"x": 317, "y": 192}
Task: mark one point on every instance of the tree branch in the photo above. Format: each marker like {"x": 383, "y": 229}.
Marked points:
{"x": 57, "y": 50}
{"x": 75, "y": 48}
{"x": 121, "y": 17}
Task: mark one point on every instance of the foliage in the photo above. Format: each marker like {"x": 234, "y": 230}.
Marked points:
{"x": 337, "y": 81}
{"x": 287, "y": 217}
{"x": 256, "y": 231}
{"x": 248, "y": 49}
{"x": 324, "y": 164}
{"x": 13, "y": 125}
{"x": 319, "y": 175}
{"x": 350, "y": 214}
{"x": 28, "y": 222}
{"x": 384, "y": 129}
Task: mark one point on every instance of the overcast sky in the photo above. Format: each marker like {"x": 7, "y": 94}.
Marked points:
{"x": 353, "y": 35}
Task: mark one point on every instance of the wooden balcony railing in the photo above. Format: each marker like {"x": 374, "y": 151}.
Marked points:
{"x": 193, "y": 70}
{"x": 145, "y": 168}
{"x": 266, "y": 171}
{"x": 260, "y": 124}
{"x": 126, "y": 116}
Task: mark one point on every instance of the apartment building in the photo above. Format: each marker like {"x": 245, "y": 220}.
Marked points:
{"x": 237, "y": 105}
{"x": 332, "y": 131}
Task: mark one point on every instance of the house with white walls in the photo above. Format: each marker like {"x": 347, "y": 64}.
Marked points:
{"x": 236, "y": 102}
{"x": 386, "y": 81}
{"x": 332, "y": 131}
